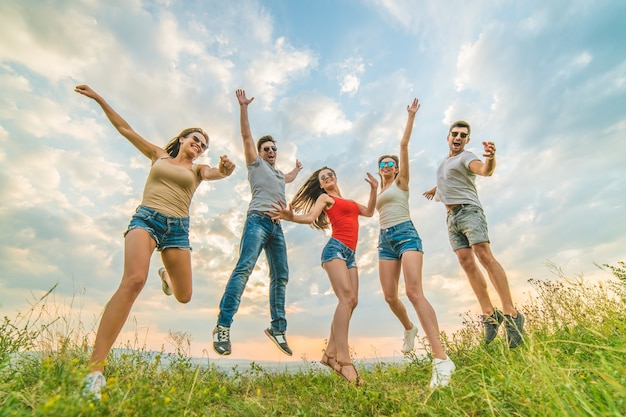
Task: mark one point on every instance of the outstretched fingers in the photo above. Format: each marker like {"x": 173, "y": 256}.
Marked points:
{"x": 241, "y": 97}
{"x": 371, "y": 180}
{"x": 413, "y": 107}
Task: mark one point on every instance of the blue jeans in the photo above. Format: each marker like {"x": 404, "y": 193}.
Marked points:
{"x": 395, "y": 240}
{"x": 335, "y": 249}
{"x": 166, "y": 231}
{"x": 259, "y": 233}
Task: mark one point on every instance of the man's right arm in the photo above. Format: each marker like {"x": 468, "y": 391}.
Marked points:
{"x": 486, "y": 168}
{"x": 249, "y": 149}
{"x": 430, "y": 194}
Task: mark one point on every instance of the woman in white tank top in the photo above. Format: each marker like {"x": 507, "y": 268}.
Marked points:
{"x": 400, "y": 247}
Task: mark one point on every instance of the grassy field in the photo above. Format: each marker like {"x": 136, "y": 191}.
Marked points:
{"x": 572, "y": 364}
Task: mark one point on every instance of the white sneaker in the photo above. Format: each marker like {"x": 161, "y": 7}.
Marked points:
{"x": 442, "y": 371}
{"x": 94, "y": 382}
{"x": 166, "y": 288}
{"x": 409, "y": 340}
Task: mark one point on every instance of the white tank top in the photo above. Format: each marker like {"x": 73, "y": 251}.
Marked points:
{"x": 393, "y": 206}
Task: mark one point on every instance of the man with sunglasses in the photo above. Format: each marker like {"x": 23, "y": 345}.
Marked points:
{"x": 267, "y": 185}
{"x": 467, "y": 230}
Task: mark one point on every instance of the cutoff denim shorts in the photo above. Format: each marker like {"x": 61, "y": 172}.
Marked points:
{"x": 335, "y": 249}
{"x": 395, "y": 240}
{"x": 467, "y": 226}
{"x": 167, "y": 231}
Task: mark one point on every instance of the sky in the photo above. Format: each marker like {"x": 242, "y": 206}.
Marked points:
{"x": 545, "y": 81}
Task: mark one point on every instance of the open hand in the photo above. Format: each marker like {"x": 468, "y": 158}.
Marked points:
{"x": 413, "y": 107}
{"x": 371, "y": 180}
{"x": 241, "y": 97}
{"x": 430, "y": 194}
{"x": 281, "y": 212}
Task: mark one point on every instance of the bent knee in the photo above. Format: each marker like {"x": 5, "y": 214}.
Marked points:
{"x": 183, "y": 298}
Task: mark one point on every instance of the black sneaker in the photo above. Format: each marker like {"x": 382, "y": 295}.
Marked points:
{"x": 279, "y": 340}
{"x": 514, "y": 329}
{"x": 492, "y": 323}
{"x": 221, "y": 340}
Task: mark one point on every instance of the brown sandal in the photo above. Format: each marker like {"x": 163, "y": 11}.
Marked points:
{"x": 326, "y": 361}
{"x": 357, "y": 381}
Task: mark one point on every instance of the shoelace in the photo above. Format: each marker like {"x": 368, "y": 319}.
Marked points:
{"x": 222, "y": 335}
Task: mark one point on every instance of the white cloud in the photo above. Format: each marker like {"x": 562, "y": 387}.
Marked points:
{"x": 348, "y": 73}
{"x": 315, "y": 114}
{"x": 276, "y": 67}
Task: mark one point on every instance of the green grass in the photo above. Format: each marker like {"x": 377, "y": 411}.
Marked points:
{"x": 572, "y": 364}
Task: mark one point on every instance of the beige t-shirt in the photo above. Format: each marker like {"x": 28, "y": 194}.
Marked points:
{"x": 169, "y": 188}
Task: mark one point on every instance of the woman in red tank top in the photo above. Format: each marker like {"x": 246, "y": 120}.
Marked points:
{"x": 320, "y": 203}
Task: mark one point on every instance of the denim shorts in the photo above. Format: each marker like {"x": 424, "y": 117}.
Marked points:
{"x": 467, "y": 226}
{"x": 334, "y": 249}
{"x": 395, "y": 240}
{"x": 167, "y": 231}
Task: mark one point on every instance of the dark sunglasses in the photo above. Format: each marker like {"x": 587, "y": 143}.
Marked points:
{"x": 389, "y": 164}
{"x": 267, "y": 148}
{"x": 329, "y": 175}
{"x": 455, "y": 134}
{"x": 200, "y": 141}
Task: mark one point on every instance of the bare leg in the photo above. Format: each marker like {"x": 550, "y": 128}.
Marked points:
{"x": 497, "y": 276}
{"x": 177, "y": 264}
{"x": 412, "y": 262}
{"x": 476, "y": 279}
{"x": 138, "y": 248}
{"x": 345, "y": 285}
{"x": 389, "y": 275}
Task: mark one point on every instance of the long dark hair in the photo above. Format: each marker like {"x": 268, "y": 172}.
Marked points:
{"x": 307, "y": 195}
{"x": 173, "y": 146}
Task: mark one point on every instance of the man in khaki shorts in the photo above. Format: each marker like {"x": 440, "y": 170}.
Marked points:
{"x": 467, "y": 230}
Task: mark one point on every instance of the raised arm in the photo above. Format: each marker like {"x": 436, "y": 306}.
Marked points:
{"x": 148, "y": 149}
{"x": 223, "y": 170}
{"x": 249, "y": 149}
{"x": 291, "y": 175}
{"x": 371, "y": 204}
{"x": 403, "y": 175}
{"x": 486, "y": 168}
{"x": 286, "y": 213}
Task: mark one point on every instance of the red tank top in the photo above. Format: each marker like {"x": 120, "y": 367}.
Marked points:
{"x": 344, "y": 219}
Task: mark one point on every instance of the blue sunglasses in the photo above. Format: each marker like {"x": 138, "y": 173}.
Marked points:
{"x": 389, "y": 164}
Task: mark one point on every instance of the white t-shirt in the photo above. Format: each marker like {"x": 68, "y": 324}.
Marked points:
{"x": 455, "y": 182}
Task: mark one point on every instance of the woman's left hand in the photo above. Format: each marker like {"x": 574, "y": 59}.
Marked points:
{"x": 372, "y": 181}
